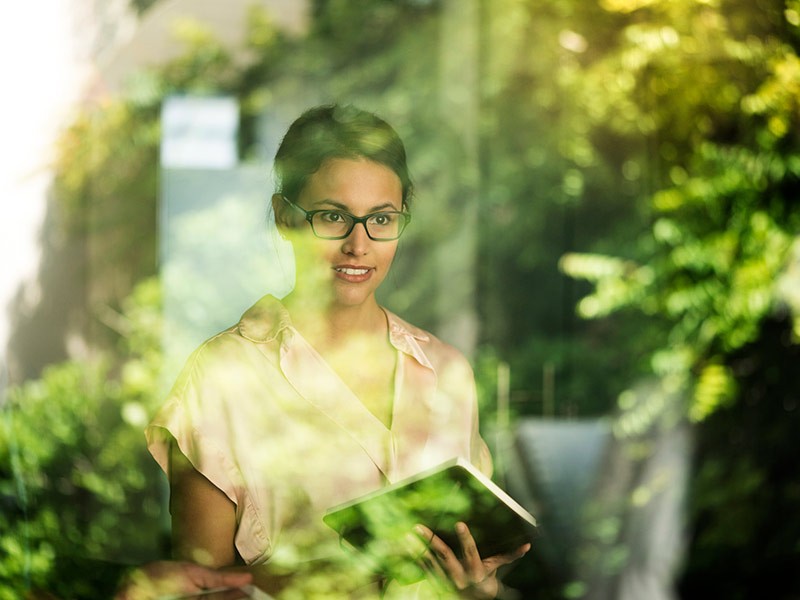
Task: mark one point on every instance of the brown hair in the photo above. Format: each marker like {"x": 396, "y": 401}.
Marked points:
{"x": 334, "y": 131}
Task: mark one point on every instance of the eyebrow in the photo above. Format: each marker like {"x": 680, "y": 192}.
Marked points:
{"x": 340, "y": 206}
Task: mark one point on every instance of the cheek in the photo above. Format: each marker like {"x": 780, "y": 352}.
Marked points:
{"x": 311, "y": 252}
{"x": 388, "y": 254}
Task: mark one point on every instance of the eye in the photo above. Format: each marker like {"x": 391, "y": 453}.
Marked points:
{"x": 382, "y": 219}
{"x": 331, "y": 216}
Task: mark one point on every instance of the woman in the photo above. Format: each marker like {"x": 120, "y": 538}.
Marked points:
{"x": 323, "y": 397}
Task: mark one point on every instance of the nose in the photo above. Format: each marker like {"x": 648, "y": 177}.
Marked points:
{"x": 357, "y": 243}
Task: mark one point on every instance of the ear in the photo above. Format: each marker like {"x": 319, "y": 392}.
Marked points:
{"x": 279, "y": 210}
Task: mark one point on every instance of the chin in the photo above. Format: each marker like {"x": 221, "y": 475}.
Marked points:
{"x": 349, "y": 301}
{"x": 350, "y": 298}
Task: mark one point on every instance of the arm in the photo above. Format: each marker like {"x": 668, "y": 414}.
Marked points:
{"x": 204, "y": 524}
{"x": 203, "y": 517}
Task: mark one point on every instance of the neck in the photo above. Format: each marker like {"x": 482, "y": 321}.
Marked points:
{"x": 335, "y": 324}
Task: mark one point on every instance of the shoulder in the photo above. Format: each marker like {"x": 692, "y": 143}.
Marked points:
{"x": 262, "y": 323}
{"x": 441, "y": 355}
{"x": 243, "y": 346}
{"x": 221, "y": 350}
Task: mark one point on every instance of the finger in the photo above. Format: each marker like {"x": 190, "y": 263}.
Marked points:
{"x": 449, "y": 562}
{"x": 498, "y": 560}
{"x": 435, "y": 573}
{"x": 228, "y": 594}
{"x": 418, "y": 543}
{"x": 235, "y": 578}
{"x": 424, "y": 533}
{"x": 235, "y": 594}
{"x": 475, "y": 568}
{"x": 205, "y": 578}
{"x": 427, "y": 560}
{"x": 431, "y": 565}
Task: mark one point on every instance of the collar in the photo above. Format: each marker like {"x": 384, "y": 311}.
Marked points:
{"x": 267, "y": 320}
{"x": 407, "y": 338}
{"x": 264, "y": 321}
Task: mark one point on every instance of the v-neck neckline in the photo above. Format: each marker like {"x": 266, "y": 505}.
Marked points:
{"x": 393, "y": 388}
{"x": 317, "y": 382}
{"x": 397, "y": 450}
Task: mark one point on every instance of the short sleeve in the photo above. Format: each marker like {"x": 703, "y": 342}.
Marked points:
{"x": 194, "y": 418}
{"x": 200, "y": 417}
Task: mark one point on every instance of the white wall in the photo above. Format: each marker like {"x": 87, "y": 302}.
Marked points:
{"x": 41, "y": 81}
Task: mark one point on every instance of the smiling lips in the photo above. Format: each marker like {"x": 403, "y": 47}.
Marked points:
{"x": 352, "y": 273}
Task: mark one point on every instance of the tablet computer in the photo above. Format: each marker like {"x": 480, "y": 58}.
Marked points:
{"x": 437, "y": 498}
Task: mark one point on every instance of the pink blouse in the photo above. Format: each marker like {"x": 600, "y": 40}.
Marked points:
{"x": 260, "y": 414}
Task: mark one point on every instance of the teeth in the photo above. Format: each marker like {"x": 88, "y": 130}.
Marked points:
{"x": 352, "y": 271}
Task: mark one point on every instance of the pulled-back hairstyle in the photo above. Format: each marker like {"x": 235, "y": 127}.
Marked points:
{"x": 334, "y": 131}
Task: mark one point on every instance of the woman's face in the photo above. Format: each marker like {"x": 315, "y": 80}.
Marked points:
{"x": 347, "y": 271}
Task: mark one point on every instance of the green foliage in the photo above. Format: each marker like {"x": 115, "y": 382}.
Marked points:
{"x": 80, "y": 483}
{"x": 548, "y": 186}
{"x": 746, "y": 483}
{"x": 724, "y": 221}
{"x": 648, "y": 149}
{"x": 712, "y": 88}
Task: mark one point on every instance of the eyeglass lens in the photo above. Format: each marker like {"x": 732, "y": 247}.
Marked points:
{"x": 337, "y": 224}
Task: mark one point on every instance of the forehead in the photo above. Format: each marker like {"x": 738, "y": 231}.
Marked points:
{"x": 354, "y": 183}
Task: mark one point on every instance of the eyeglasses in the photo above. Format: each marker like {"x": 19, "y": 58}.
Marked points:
{"x": 330, "y": 224}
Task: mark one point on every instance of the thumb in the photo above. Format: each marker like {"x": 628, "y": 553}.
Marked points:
{"x": 209, "y": 578}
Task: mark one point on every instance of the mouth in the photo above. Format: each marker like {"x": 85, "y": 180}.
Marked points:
{"x": 353, "y": 274}
{"x": 352, "y": 270}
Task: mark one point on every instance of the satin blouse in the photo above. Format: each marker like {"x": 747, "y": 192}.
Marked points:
{"x": 262, "y": 416}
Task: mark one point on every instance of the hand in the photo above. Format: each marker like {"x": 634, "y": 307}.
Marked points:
{"x": 472, "y": 576}
{"x": 175, "y": 579}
